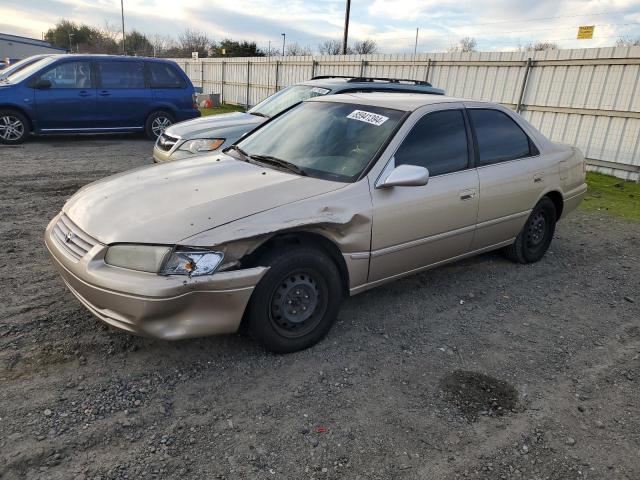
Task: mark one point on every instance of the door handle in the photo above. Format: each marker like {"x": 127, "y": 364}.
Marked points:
{"x": 104, "y": 93}
{"x": 84, "y": 94}
{"x": 467, "y": 194}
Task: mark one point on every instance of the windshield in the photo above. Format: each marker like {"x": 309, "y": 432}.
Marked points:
{"x": 285, "y": 98}
{"x": 335, "y": 141}
{"x": 18, "y": 76}
{"x": 14, "y": 67}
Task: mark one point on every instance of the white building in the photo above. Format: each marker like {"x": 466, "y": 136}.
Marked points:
{"x": 16, "y": 47}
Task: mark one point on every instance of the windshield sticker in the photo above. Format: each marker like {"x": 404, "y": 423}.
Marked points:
{"x": 320, "y": 90}
{"x": 368, "y": 117}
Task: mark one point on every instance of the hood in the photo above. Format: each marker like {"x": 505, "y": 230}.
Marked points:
{"x": 169, "y": 202}
{"x": 203, "y": 127}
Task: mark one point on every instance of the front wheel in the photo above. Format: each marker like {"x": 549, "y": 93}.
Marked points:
{"x": 14, "y": 127}
{"x": 297, "y": 301}
{"x": 157, "y": 123}
{"x": 535, "y": 237}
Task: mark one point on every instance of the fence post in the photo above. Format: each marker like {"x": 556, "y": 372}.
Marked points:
{"x": 527, "y": 69}
{"x": 363, "y": 63}
{"x": 222, "y": 85}
{"x": 277, "y": 68}
{"x": 248, "y": 83}
{"x": 202, "y": 75}
{"x": 426, "y": 76}
{"x": 313, "y": 68}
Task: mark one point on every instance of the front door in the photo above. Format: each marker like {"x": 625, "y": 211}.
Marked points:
{"x": 417, "y": 226}
{"x": 123, "y": 96}
{"x": 69, "y": 103}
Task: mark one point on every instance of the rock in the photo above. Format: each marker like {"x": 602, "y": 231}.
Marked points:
{"x": 525, "y": 449}
{"x": 629, "y": 299}
{"x": 48, "y": 413}
{"x": 570, "y": 441}
{"x": 599, "y": 424}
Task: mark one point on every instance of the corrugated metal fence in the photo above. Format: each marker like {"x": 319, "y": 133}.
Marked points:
{"x": 584, "y": 97}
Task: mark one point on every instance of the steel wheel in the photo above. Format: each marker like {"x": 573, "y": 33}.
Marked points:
{"x": 297, "y": 304}
{"x": 12, "y": 128}
{"x": 536, "y": 229}
{"x": 160, "y": 124}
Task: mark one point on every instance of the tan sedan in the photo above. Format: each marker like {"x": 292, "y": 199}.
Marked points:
{"x": 336, "y": 196}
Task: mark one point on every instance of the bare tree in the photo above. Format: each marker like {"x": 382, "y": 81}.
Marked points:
{"x": 194, "y": 41}
{"x": 330, "y": 47}
{"x": 466, "y": 44}
{"x": 539, "y": 47}
{"x": 628, "y": 42}
{"x": 296, "y": 50}
{"x": 365, "y": 47}
{"x": 161, "y": 43}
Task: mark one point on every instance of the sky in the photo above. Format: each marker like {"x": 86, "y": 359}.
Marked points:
{"x": 495, "y": 24}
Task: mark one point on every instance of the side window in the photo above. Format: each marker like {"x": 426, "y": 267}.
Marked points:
{"x": 121, "y": 74}
{"x": 163, "y": 75}
{"x": 438, "y": 142}
{"x": 69, "y": 75}
{"x": 499, "y": 137}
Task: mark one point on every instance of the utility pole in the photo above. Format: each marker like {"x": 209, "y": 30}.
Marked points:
{"x": 71, "y": 46}
{"x": 284, "y": 37}
{"x": 415, "y": 48}
{"x": 269, "y": 51}
{"x": 124, "y": 48}
{"x": 346, "y": 28}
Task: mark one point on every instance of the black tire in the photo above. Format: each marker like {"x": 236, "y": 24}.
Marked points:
{"x": 156, "y": 123}
{"x": 535, "y": 237}
{"x": 14, "y": 127}
{"x": 297, "y": 301}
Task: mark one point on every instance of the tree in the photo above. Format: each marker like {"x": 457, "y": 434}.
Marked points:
{"x": 137, "y": 43}
{"x": 233, "y": 48}
{"x": 365, "y": 47}
{"x": 161, "y": 44}
{"x": 296, "y": 50}
{"x": 466, "y": 44}
{"x": 540, "y": 46}
{"x": 330, "y": 47}
{"x": 628, "y": 42}
{"x": 194, "y": 41}
{"x": 59, "y": 36}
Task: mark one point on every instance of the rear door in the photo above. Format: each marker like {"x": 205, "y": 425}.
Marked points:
{"x": 168, "y": 87}
{"x": 510, "y": 180}
{"x": 70, "y": 102}
{"x": 417, "y": 226}
{"x": 124, "y": 99}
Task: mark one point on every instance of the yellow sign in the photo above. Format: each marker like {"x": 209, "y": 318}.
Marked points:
{"x": 586, "y": 32}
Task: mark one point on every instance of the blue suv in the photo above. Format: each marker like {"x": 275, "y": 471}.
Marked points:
{"x": 94, "y": 94}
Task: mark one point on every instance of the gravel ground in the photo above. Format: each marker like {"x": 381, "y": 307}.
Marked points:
{"x": 480, "y": 369}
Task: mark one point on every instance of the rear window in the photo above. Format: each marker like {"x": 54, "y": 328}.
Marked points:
{"x": 121, "y": 74}
{"x": 163, "y": 75}
{"x": 499, "y": 138}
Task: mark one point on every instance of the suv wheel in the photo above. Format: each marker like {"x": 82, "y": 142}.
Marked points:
{"x": 157, "y": 123}
{"x": 297, "y": 301}
{"x": 535, "y": 237}
{"x": 14, "y": 127}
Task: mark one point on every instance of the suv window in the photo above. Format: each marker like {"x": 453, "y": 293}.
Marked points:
{"x": 121, "y": 74}
{"x": 499, "y": 137}
{"x": 163, "y": 75}
{"x": 438, "y": 141}
{"x": 69, "y": 75}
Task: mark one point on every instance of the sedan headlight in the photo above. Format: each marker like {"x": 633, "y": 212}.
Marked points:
{"x": 164, "y": 260}
{"x": 200, "y": 145}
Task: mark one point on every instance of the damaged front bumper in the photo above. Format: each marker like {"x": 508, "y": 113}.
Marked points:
{"x": 147, "y": 304}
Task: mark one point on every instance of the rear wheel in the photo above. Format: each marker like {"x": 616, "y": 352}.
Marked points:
{"x": 535, "y": 237}
{"x": 14, "y": 127}
{"x": 297, "y": 301}
{"x": 157, "y": 123}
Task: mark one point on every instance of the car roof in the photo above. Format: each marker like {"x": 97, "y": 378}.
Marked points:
{"x": 99, "y": 56}
{"x": 337, "y": 83}
{"x": 407, "y": 102}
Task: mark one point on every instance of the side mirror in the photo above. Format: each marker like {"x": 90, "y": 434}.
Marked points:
{"x": 406, "y": 176}
{"x": 42, "y": 84}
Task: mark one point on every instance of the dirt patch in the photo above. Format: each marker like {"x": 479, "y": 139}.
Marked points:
{"x": 477, "y": 394}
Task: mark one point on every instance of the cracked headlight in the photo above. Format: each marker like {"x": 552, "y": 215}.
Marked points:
{"x": 192, "y": 262}
{"x": 164, "y": 260}
{"x": 200, "y": 145}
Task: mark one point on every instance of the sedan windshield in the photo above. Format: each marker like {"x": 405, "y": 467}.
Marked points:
{"x": 335, "y": 141}
{"x": 285, "y": 98}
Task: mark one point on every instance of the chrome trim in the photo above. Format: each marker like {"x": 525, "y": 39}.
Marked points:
{"x": 506, "y": 218}
{"x": 421, "y": 241}
{"x": 88, "y": 129}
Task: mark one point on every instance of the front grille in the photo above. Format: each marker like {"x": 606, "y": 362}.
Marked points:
{"x": 71, "y": 239}
{"x": 166, "y": 142}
